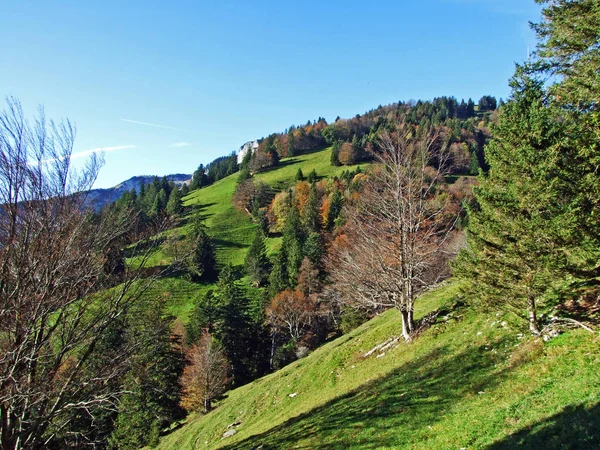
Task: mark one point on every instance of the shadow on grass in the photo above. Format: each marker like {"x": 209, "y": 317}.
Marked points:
{"x": 576, "y": 427}
{"x": 220, "y": 243}
{"x": 393, "y": 411}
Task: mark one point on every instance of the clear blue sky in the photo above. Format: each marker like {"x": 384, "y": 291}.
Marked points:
{"x": 215, "y": 74}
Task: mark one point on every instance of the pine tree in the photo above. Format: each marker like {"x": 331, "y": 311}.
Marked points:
{"x": 278, "y": 278}
{"x": 292, "y": 241}
{"x": 514, "y": 255}
{"x": 152, "y": 399}
{"x": 174, "y": 207}
{"x": 202, "y": 262}
{"x": 335, "y": 154}
{"x": 312, "y": 176}
{"x": 335, "y": 208}
{"x": 310, "y": 213}
{"x": 234, "y": 328}
{"x": 257, "y": 263}
{"x": 203, "y": 317}
{"x": 299, "y": 175}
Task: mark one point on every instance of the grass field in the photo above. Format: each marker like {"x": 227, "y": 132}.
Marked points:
{"x": 231, "y": 230}
{"x": 470, "y": 381}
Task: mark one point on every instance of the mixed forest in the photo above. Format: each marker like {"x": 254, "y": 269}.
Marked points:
{"x": 117, "y": 325}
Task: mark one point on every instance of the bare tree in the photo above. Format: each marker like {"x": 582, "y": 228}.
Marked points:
{"x": 396, "y": 236}
{"x": 291, "y": 311}
{"x": 206, "y": 376}
{"x": 57, "y": 297}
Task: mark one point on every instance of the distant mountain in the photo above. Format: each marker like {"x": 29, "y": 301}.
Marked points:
{"x": 101, "y": 197}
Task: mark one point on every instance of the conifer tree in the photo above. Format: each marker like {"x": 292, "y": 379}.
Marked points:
{"x": 174, "y": 207}
{"x": 310, "y": 213}
{"x": 257, "y": 263}
{"x": 278, "y": 279}
{"x": 335, "y": 208}
{"x": 335, "y": 154}
{"x": 234, "y": 327}
{"x": 514, "y": 253}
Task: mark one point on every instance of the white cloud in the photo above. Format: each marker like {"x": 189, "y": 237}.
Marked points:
{"x": 154, "y": 125}
{"x": 100, "y": 150}
{"x": 181, "y": 144}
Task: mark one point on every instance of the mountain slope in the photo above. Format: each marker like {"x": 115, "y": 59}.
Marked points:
{"x": 101, "y": 197}
{"x": 232, "y": 230}
{"x": 469, "y": 381}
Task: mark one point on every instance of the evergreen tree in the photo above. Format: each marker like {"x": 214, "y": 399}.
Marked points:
{"x": 314, "y": 249}
{"x": 514, "y": 256}
{"x": 310, "y": 213}
{"x": 292, "y": 241}
{"x": 335, "y": 208}
{"x": 234, "y": 328}
{"x": 152, "y": 399}
{"x": 203, "y": 317}
{"x": 257, "y": 263}
{"x": 312, "y": 176}
{"x": 174, "y": 207}
{"x": 278, "y": 279}
{"x": 202, "y": 263}
{"x": 299, "y": 175}
{"x": 244, "y": 175}
{"x": 335, "y": 154}
{"x": 185, "y": 190}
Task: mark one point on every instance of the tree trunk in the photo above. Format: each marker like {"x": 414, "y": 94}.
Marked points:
{"x": 405, "y": 325}
{"x": 532, "y": 315}
{"x": 410, "y": 320}
{"x": 207, "y": 405}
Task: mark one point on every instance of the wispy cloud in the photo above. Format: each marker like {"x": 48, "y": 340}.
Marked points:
{"x": 155, "y": 125}
{"x": 85, "y": 153}
{"x": 181, "y": 144}
{"x": 100, "y": 150}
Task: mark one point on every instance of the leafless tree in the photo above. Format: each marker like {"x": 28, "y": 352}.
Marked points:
{"x": 394, "y": 243}
{"x": 291, "y": 311}
{"x": 57, "y": 297}
{"x": 206, "y": 376}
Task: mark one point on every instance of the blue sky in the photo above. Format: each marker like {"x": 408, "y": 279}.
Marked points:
{"x": 165, "y": 85}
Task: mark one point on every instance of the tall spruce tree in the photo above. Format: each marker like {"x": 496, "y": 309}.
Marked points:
{"x": 518, "y": 231}
{"x": 174, "y": 207}
{"x": 533, "y": 238}
{"x": 257, "y": 263}
{"x": 310, "y": 213}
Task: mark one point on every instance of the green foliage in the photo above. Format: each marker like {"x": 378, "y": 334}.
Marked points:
{"x": 312, "y": 176}
{"x": 310, "y": 213}
{"x": 514, "y": 256}
{"x": 257, "y": 263}
{"x": 335, "y": 208}
{"x": 244, "y": 175}
{"x": 278, "y": 278}
{"x": 203, "y": 317}
{"x": 236, "y": 330}
{"x": 299, "y": 175}
{"x": 152, "y": 384}
{"x": 335, "y": 154}
{"x": 202, "y": 263}
{"x": 292, "y": 241}
{"x": 314, "y": 249}
{"x": 568, "y": 48}
{"x": 174, "y": 207}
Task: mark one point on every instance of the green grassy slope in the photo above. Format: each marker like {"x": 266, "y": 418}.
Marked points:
{"x": 231, "y": 230}
{"x": 469, "y": 381}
